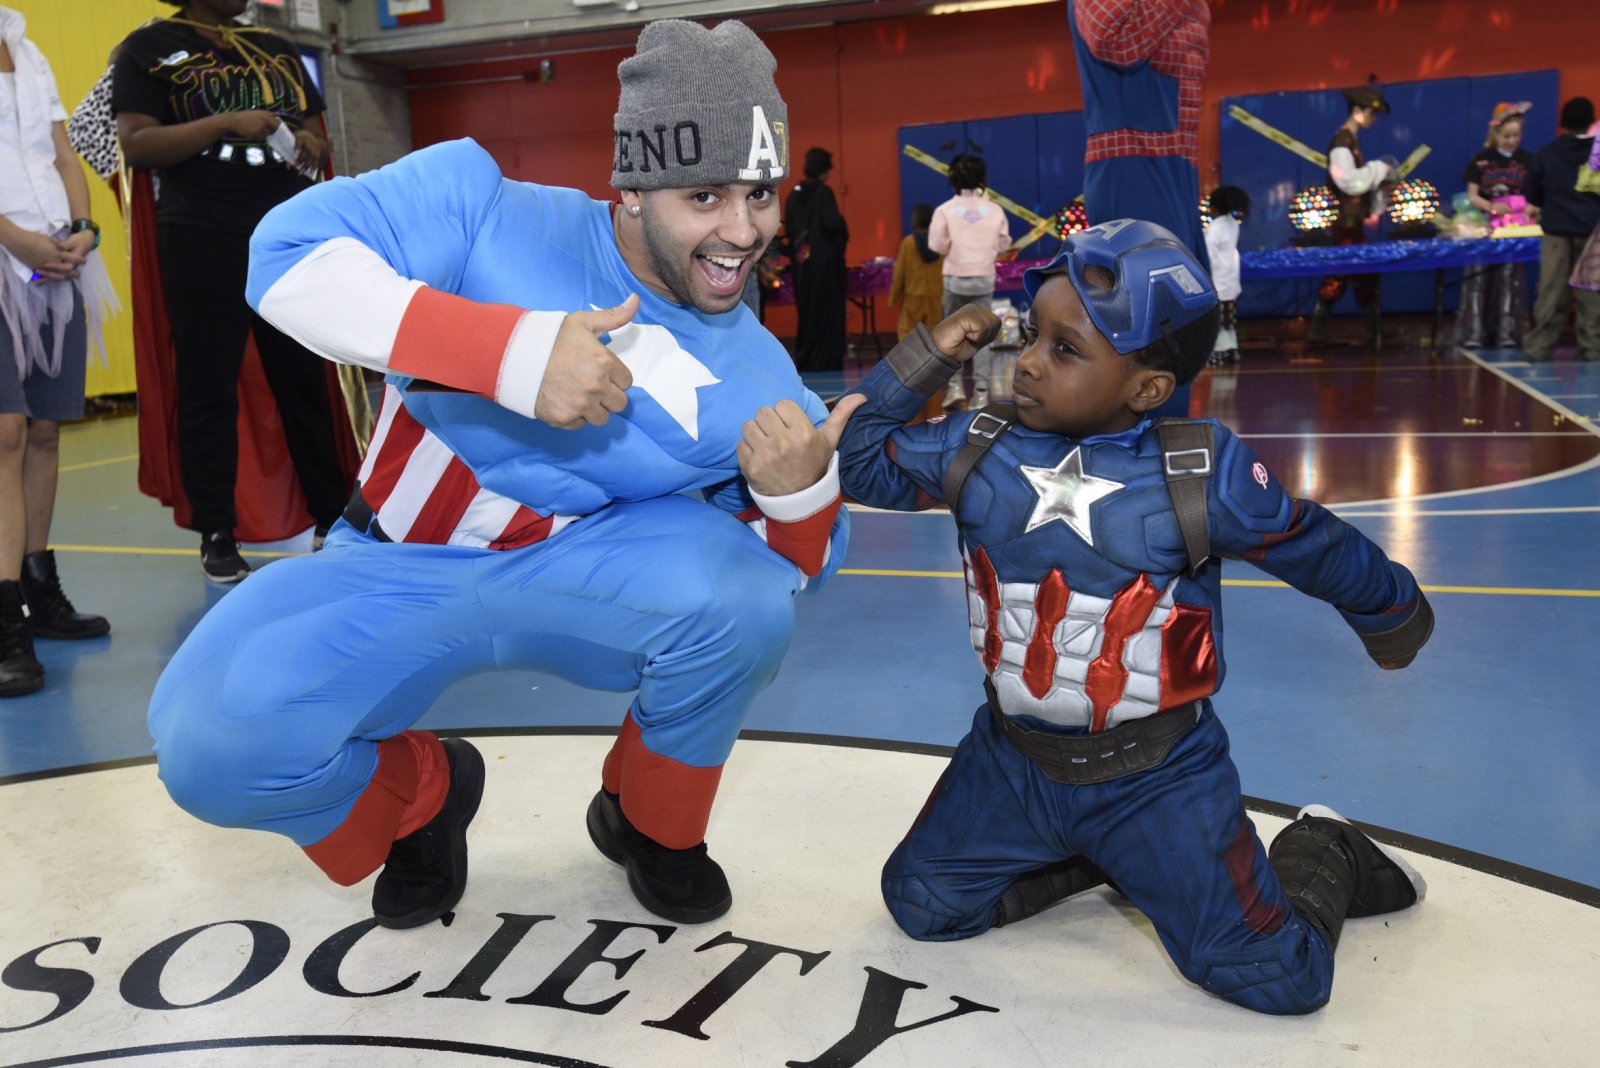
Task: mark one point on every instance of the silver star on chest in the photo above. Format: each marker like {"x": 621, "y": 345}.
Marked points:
{"x": 1066, "y": 493}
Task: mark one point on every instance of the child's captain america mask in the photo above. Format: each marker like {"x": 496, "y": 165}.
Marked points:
{"x": 1159, "y": 284}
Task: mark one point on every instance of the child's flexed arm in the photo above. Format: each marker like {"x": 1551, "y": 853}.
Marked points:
{"x": 883, "y": 462}
{"x": 1297, "y": 540}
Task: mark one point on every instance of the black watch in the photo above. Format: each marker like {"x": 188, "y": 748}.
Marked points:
{"x": 80, "y": 225}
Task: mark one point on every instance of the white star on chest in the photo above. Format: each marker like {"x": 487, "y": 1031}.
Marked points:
{"x": 1066, "y": 493}
{"x": 664, "y": 369}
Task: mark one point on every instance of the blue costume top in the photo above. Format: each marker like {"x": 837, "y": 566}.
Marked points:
{"x": 1081, "y": 606}
{"x": 516, "y": 246}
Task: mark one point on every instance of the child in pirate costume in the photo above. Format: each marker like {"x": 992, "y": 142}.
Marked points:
{"x": 1358, "y": 189}
{"x": 1088, "y": 532}
{"x": 562, "y": 373}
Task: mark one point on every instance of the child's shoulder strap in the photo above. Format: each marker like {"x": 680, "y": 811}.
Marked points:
{"x": 1187, "y": 458}
{"x": 985, "y": 428}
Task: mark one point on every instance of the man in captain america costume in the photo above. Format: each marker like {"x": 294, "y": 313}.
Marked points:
{"x": 561, "y": 375}
{"x": 1096, "y": 613}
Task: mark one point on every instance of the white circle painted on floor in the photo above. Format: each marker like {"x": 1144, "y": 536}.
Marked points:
{"x": 130, "y": 933}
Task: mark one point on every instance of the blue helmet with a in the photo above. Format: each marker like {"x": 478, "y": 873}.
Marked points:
{"x": 1159, "y": 286}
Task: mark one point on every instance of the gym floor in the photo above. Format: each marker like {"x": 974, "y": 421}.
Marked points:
{"x": 1481, "y": 760}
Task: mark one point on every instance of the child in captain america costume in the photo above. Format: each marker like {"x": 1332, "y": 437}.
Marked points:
{"x": 566, "y": 380}
{"x": 1096, "y": 613}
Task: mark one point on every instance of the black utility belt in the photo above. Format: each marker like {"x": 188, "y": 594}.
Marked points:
{"x": 251, "y": 154}
{"x": 359, "y": 514}
{"x": 1086, "y": 759}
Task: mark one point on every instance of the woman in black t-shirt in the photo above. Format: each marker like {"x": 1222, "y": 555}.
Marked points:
{"x": 222, "y": 114}
{"x": 1494, "y": 303}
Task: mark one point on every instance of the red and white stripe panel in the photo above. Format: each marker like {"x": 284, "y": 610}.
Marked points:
{"x": 422, "y": 492}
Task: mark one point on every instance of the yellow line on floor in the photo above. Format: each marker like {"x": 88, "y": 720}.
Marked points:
{"x": 98, "y": 463}
{"x": 1504, "y": 591}
{"x": 126, "y": 550}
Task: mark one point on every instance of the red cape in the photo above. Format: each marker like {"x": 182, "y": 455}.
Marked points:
{"x": 267, "y": 498}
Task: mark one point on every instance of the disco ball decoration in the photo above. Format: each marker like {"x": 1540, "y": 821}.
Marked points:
{"x": 1313, "y": 209}
{"x": 1413, "y": 202}
{"x": 1070, "y": 219}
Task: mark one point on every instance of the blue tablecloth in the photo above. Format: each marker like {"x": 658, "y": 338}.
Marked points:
{"x": 1425, "y": 255}
{"x": 871, "y": 279}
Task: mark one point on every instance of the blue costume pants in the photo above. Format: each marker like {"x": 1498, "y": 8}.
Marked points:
{"x": 1175, "y": 839}
{"x": 269, "y": 714}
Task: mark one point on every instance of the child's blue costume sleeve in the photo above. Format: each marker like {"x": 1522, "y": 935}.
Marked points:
{"x": 1299, "y": 541}
{"x": 883, "y": 462}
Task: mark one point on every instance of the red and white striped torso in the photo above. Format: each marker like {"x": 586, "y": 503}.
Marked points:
{"x": 422, "y": 492}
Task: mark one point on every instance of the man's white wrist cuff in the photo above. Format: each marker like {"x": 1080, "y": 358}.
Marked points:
{"x": 805, "y": 503}
{"x": 526, "y": 360}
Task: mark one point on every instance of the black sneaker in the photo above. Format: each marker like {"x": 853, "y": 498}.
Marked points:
{"x": 426, "y": 872}
{"x": 682, "y": 885}
{"x": 1390, "y": 885}
{"x": 220, "y": 559}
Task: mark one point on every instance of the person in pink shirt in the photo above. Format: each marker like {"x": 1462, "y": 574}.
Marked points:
{"x": 969, "y": 230}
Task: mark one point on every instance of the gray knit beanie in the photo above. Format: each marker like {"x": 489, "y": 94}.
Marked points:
{"x": 698, "y": 107}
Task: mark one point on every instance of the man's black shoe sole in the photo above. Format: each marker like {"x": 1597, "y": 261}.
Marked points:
{"x": 605, "y": 841}
{"x": 466, "y": 779}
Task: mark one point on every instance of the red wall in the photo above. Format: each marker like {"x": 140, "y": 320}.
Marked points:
{"x": 850, "y": 87}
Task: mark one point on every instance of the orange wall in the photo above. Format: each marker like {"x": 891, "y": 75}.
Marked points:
{"x": 850, "y": 87}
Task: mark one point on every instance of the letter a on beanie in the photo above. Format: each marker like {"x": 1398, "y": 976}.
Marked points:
{"x": 698, "y": 107}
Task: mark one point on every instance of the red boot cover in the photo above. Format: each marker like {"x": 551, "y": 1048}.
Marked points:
{"x": 611, "y": 770}
{"x": 407, "y": 790}
{"x": 667, "y": 801}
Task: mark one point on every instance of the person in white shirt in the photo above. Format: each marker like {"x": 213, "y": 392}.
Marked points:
{"x": 1227, "y": 207}
{"x": 53, "y": 293}
{"x": 969, "y": 230}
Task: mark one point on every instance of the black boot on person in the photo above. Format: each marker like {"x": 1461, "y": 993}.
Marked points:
{"x": 1319, "y": 334}
{"x": 1330, "y": 870}
{"x": 426, "y": 872}
{"x": 682, "y": 885}
{"x": 1052, "y": 884}
{"x": 52, "y": 614}
{"x": 20, "y": 670}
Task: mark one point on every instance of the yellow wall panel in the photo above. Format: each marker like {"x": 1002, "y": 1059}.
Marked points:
{"x": 77, "y": 37}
